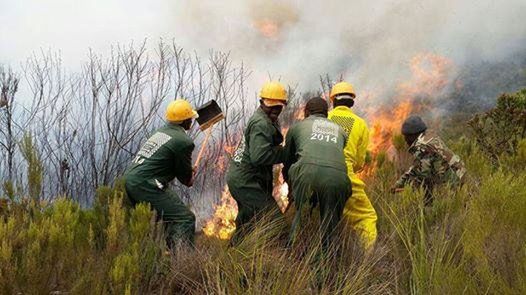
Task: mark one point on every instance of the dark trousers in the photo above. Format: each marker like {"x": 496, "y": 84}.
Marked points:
{"x": 326, "y": 186}
{"x": 178, "y": 220}
{"x": 254, "y": 198}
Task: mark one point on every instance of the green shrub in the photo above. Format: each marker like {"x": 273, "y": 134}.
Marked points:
{"x": 470, "y": 241}
{"x": 8, "y": 190}
{"x": 501, "y": 129}
{"x": 34, "y": 167}
{"x": 495, "y": 233}
{"x": 54, "y": 249}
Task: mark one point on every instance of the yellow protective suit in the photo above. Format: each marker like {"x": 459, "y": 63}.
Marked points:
{"x": 359, "y": 211}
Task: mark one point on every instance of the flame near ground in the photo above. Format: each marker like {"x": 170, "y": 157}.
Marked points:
{"x": 430, "y": 77}
{"x": 222, "y": 224}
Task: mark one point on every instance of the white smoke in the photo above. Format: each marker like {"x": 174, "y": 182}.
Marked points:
{"x": 366, "y": 42}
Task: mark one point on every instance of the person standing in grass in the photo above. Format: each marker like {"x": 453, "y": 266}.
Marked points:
{"x": 249, "y": 176}
{"x": 358, "y": 212}
{"x": 434, "y": 163}
{"x": 166, "y": 155}
{"x": 315, "y": 168}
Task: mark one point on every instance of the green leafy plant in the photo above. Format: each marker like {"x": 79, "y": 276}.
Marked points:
{"x": 34, "y": 166}
{"x": 500, "y": 129}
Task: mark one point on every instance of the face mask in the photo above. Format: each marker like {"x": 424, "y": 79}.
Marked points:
{"x": 274, "y": 112}
{"x": 187, "y": 124}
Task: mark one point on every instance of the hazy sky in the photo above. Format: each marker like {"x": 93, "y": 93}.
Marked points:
{"x": 362, "y": 39}
{"x": 73, "y": 26}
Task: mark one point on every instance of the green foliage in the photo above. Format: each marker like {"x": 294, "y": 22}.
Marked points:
{"x": 381, "y": 159}
{"x": 517, "y": 160}
{"x": 34, "y": 166}
{"x": 8, "y": 190}
{"x": 261, "y": 264}
{"x": 399, "y": 142}
{"x": 496, "y": 231}
{"x": 501, "y": 129}
{"x": 470, "y": 241}
{"x": 368, "y": 158}
{"x": 44, "y": 250}
{"x": 477, "y": 164}
{"x": 521, "y": 152}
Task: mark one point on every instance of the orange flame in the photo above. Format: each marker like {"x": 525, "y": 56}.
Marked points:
{"x": 222, "y": 163}
{"x": 430, "y": 77}
{"x": 281, "y": 191}
{"x": 281, "y": 188}
{"x": 385, "y": 124}
{"x": 268, "y": 28}
{"x": 222, "y": 224}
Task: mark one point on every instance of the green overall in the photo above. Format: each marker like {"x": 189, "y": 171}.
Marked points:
{"x": 316, "y": 172}
{"x": 166, "y": 155}
{"x": 249, "y": 176}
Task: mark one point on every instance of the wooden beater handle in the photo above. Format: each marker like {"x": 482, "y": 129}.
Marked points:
{"x": 202, "y": 149}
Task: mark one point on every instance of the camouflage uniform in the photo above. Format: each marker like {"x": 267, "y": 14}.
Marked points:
{"x": 434, "y": 164}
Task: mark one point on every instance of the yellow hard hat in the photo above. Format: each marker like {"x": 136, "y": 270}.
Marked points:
{"x": 180, "y": 110}
{"x": 342, "y": 88}
{"x": 273, "y": 90}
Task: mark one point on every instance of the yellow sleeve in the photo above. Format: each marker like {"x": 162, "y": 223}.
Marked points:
{"x": 361, "y": 149}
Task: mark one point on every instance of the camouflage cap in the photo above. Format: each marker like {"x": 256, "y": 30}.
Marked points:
{"x": 413, "y": 125}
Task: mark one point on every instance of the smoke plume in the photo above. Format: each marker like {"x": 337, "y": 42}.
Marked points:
{"x": 368, "y": 43}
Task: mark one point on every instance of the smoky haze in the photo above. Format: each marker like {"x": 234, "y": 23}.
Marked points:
{"x": 369, "y": 43}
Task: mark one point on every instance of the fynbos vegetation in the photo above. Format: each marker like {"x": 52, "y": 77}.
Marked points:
{"x": 470, "y": 241}
{"x": 500, "y": 130}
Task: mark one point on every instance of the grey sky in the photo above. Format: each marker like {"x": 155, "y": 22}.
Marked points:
{"x": 73, "y": 26}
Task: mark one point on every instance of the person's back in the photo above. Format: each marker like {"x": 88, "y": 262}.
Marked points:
{"x": 358, "y": 134}
{"x": 316, "y": 140}
{"x": 358, "y": 211}
{"x": 165, "y": 156}
{"x": 315, "y": 167}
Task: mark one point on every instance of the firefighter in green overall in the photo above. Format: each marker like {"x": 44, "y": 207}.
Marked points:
{"x": 166, "y": 155}
{"x": 249, "y": 175}
{"x": 315, "y": 168}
